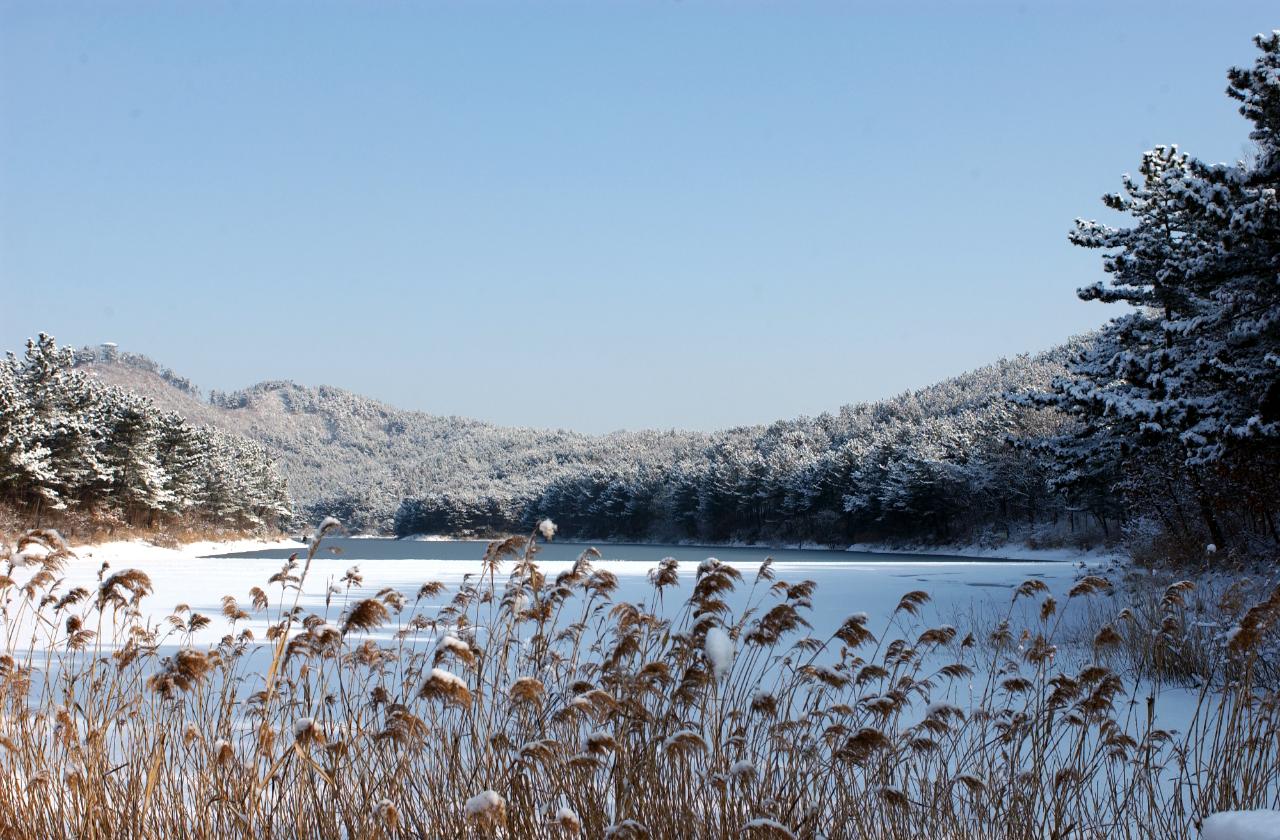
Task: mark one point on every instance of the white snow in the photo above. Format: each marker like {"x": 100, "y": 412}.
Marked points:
{"x": 328, "y": 629}
{"x": 684, "y": 735}
{"x": 483, "y": 802}
{"x": 448, "y": 677}
{"x": 719, "y": 649}
{"x": 772, "y": 825}
{"x": 33, "y": 553}
{"x": 189, "y": 575}
{"x": 455, "y": 644}
{"x": 1242, "y": 825}
{"x": 74, "y": 771}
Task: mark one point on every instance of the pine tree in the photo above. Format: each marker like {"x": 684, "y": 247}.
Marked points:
{"x": 25, "y": 466}
{"x": 131, "y": 449}
{"x": 1193, "y": 373}
{"x": 69, "y": 442}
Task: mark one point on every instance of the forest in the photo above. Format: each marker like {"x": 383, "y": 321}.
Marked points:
{"x": 935, "y": 465}
{"x": 89, "y": 457}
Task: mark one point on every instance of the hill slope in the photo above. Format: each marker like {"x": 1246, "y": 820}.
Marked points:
{"x": 361, "y": 457}
{"x": 923, "y": 464}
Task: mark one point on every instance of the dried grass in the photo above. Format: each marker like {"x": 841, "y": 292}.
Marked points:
{"x": 521, "y": 707}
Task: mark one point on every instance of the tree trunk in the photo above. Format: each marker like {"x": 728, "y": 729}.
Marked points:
{"x": 1206, "y": 512}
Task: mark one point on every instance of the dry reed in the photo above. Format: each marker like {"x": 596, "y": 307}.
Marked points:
{"x": 519, "y": 705}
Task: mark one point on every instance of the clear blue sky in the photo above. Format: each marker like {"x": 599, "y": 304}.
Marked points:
{"x": 587, "y": 215}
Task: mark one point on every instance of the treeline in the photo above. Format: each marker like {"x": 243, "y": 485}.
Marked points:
{"x": 949, "y": 462}
{"x": 74, "y": 449}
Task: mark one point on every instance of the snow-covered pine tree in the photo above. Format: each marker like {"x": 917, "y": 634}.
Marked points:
{"x": 69, "y": 420}
{"x": 1189, "y": 379}
{"x": 131, "y": 448}
{"x": 179, "y": 452}
{"x": 25, "y": 468}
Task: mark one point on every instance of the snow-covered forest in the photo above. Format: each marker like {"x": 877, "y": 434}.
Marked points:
{"x": 77, "y": 452}
{"x": 1178, "y": 399}
{"x": 945, "y": 462}
{"x": 938, "y": 464}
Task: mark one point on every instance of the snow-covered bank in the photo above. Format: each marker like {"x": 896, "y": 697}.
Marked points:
{"x": 141, "y": 551}
{"x": 183, "y": 575}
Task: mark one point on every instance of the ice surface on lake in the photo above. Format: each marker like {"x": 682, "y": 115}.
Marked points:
{"x": 201, "y": 574}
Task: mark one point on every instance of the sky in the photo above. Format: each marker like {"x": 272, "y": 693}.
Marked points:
{"x": 585, "y": 215}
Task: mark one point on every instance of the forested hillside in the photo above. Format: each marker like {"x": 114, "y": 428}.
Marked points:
{"x": 359, "y": 459}
{"x": 941, "y": 463}
{"x": 87, "y": 456}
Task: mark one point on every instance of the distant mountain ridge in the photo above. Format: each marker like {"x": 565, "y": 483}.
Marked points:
{"x": 332, "y": 444}
{"x": 933, "y": 459}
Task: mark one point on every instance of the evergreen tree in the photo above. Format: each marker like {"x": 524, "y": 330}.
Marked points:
{"x": 1190, "y": 379}
{"x": 70, "y": 443}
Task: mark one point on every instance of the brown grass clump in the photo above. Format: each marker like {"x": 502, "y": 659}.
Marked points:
{"x": 518, "y": 706}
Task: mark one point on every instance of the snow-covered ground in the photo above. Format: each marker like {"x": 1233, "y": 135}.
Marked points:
{"x": 967, "y": 593}
{"x": 964, "y": 593}
{"x": 135, "y": 552}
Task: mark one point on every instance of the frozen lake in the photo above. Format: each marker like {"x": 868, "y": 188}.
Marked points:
{"x": 199, "y": 576}
{"x": 847, "y": 581}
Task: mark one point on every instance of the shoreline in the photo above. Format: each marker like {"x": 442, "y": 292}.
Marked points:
{"x": 131, "y": 551}
{"x": 116, "y": 551}
{"x": 1013, "y": 551}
